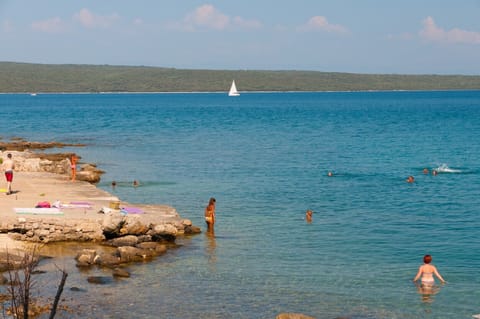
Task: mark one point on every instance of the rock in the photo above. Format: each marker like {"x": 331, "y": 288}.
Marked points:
{"x": 144, "y": 238}
{"x": 92, "y": 177}
{"x": 293, "y": 316}
{"x": 86, "y": 257}
{"x": 107, "y": 260}
{"x": 99, "y": 280}
{"x": 89, "y": 173}
{"x": 192, "y": 230}
{"x": 155, "y": 247}
{"x": 161, "y": 249}
{"x": 119, "y": 272}
{"x": 148, "y": 245}
{"x": 187, "y": 222}
{"x": 134, "y": 226}
{"x": 128, "y": 240}
{"x": 163, "y": 232}
{"x": 132, "y": 254}
{"x": 112, "y": 222}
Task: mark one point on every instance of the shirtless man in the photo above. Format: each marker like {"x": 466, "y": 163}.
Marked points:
{"x": 8, "y": 166}
{"x": 426, "y": 271}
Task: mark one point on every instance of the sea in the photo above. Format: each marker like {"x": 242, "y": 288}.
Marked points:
{"x": 266, "y": 158}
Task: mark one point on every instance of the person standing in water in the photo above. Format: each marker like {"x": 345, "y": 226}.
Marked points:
{"x": 8, "y": 166}
{"x": 210, "y": 213}
{"x": 308, "y": 216}
{"x": 426, "y": 272}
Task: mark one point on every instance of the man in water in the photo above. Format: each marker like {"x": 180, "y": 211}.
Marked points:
{"x": 8, "y": 166}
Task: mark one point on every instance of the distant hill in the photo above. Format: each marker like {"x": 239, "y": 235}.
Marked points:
{"x": 26, "y": 77}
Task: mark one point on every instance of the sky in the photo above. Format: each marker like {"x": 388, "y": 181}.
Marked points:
{"x": 356, "y": 36}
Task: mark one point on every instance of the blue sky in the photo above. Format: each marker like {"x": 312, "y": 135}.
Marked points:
{"x": 359, "y": 36}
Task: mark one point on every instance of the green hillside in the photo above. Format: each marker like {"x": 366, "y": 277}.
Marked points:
{"x": 25, "y": 77}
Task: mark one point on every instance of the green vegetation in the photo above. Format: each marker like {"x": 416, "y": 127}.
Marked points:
{"x": 25, "y": 77}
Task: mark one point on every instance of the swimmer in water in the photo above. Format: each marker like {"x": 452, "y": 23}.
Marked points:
{"x": 308, "y": 216}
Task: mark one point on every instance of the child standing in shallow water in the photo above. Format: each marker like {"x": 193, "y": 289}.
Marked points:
{"x": 426, "y": 271}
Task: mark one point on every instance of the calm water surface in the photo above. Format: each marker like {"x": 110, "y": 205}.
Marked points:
{"x": 265, "y": 157}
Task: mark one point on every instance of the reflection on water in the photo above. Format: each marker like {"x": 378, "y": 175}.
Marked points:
{"x": 427, "y": 292}
{"x": 211, "y": 246}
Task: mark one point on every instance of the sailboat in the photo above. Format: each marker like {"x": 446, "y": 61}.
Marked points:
{"x": 233, "y": 90}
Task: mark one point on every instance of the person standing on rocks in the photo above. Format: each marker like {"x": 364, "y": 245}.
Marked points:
{"x": 8, "y": 166}
{"x": 210, "y": 214}
{"x": 73, "y": 165}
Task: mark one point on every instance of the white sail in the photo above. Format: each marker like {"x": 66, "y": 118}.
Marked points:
{"x": 233, "y": 90}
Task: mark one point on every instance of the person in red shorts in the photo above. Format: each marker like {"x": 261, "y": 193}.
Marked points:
{"x": 8, "y": 166}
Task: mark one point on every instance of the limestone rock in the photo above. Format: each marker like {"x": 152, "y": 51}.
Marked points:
{"x": 192, "y": 230}
{"x": 134, "y": 226}
{"x": 128, "y": 240}
{"x": 132, "y": 254}
{"x": 187, "y": 222}
{"x": 163, "y": 232}
{"x": 107, "y": 260}
{"x": 112, "y": 223}
{"x": 86, "y": 257}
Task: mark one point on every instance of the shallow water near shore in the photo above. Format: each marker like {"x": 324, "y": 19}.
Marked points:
{"x": 265, "y": 157}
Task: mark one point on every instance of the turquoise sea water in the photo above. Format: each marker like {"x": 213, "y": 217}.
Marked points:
{"x": 265, "y": 157}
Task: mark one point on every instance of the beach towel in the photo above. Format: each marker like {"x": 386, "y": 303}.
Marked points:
{"x": 38, "y": 211}
{"x": 86, "y": 205}
{"x": 131, "y": 210}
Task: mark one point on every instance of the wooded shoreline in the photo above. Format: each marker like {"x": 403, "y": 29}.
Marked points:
{"x": 69, "y": 78}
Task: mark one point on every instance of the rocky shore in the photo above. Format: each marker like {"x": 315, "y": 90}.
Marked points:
{"x": 78, "y": 212}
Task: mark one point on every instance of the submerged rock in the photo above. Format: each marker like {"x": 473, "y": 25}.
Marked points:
{"x": 99, "y": 280}
{"x": 129, "y": 240}
{"x": 119, "y": 272}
